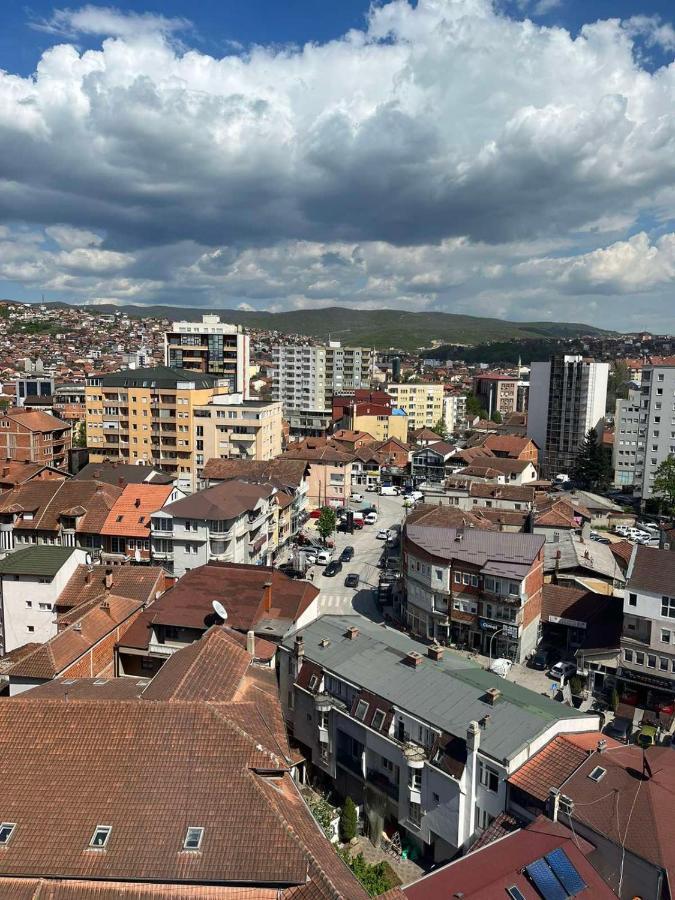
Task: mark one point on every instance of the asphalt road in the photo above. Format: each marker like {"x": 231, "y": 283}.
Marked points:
{"x": 337, "y": 599}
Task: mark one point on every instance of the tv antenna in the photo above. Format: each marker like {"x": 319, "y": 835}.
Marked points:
{"x": 219, "y": 609}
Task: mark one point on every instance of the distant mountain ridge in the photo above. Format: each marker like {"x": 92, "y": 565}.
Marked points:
{"x": 380, "y": 328}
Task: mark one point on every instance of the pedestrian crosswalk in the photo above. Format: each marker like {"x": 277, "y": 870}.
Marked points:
{"x": 335, "y": 601}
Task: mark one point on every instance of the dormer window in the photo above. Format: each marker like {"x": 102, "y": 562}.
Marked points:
{"x": 6, "y": 832}
{"x": 193, "y": 838}
{"x": 100, "y": 837}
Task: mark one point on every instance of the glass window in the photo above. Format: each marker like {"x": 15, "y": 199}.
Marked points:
{"x": 100, "y": 837}
{"x": 651, "y": 661}
{"x": 378, "y": 719}
{"x": 639, "y": 658}
{"x": 361, "y": 710}
{"x": 6, "y": 831}
{"x": 488, "y": 777}
{"x": 632, "y": 599}
{"x": 193, "y": 838}
{"x": 665, "y": 636}
{"x": 628, "y": 655}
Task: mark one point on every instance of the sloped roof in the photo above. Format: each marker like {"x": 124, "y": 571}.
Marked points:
{"x": 523, "y": 493}
{"x": 88, "y": 584}
{"x": 325, "y": 454}
{"x": 495, "y": 552}
{"x": 113, "y": 472}
{"x": 41, "y": 559}
{"x": 14, "y": 473}
{"x": 550, "y": 768}
{"x": 652, "y": 570}
{"x": 130, "y": 514}
{"x": 284, "y": 470}
{"x": 226, "y": 500}
{"x": 443, "y": 516}
{"x": 61, "y": 651}
{"x": 507, "y": 443}
{"x": 48, "y": 500}
{"x": 36, "y": 420}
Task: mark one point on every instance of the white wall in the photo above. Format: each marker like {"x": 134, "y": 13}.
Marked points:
{"x": 28, "y": 602}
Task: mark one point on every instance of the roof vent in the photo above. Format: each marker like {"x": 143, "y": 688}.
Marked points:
{"x": 413, "y": 658}
{"x": 352, "y": 633}
{"x": 324, "y": 642}
{"x": 435, "y": 652}
{"x": 77, "y": 627}
{"x": 492, "y": 695}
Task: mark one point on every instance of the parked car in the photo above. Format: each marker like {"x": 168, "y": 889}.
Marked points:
{"x": 370, "y": 518}
{"x": 622, "y": 530}
{"x": 372, "y": 488}
{"x": 347, "y": 554}
{"x": 357, "y": 498}
{"x": 383, "y": 534}
{"x": 388, "y": 490}
{"x": 539, "y": 659}
{"x": 652, "y": 527}
{"x": 332, "y": 568}
{"x": 352, "y": 580}
{"x": 310, "y": 558}
{"x": 324, "y": 558}
{"x": 562, "y": 670}
{"x": 620, "y": 729}
{"x": 290, "y": 570}
{"x": 599, "y": 539}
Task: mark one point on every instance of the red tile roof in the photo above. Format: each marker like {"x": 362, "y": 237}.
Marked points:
{"x": 49, "y": 500}
{"x": 36, "y": 420}
{"x": 550, "y": 767}
{"x": 130, "y": 514}
{"x": 88, "y": 583}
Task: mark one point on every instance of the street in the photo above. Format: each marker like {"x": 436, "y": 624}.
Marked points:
{"x": 337, "y": 599}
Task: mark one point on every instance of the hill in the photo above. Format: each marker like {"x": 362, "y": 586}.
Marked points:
{"x": 381, "y": 328}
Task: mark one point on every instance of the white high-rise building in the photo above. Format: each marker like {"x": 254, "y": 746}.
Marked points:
{"x": 628, "y": 443}
{"x": 211, "y": 347}
{"x": 567, "y": 398}
{"x": 657, "y": 422}
{"x": 305, "y": 378}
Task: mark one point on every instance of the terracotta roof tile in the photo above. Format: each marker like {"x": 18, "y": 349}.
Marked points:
{"x": 87, "y": 584}
{"x": 285, "y": 470}
{"x": 35, "y": 420}
{"x": 48, "y": 500}
{"x": 131, "y": 512}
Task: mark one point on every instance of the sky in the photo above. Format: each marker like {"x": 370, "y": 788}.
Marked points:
{"x": 504, "y": 158}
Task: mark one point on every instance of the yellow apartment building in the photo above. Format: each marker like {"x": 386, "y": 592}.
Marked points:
{"x": 147, "y": 416}
{"x": 422, "y": 402}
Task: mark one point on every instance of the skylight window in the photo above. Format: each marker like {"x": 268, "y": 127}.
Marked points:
{"x": 313, "y": 682}
{"x": 597, "y": 774}
{"x": 119, "y": 518}
{"x": 6, "y": 832}
{"x": 193, "y": 838}
{"x": 515, "y": 893}
{"x": 100, "y": 837}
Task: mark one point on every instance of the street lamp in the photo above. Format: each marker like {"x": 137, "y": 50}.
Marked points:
{"x": 493, "y": 636}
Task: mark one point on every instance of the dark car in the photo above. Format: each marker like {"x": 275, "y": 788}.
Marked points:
{"x": 332, "y": 568}
{"x": 539, "y": 660}
{"x": 620, "y": 729}
{"x": 347, "y": 554}
{"x": 352, "y": 580}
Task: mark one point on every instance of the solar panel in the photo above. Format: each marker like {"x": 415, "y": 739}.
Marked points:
{"x": 545, "y": 881}
{"x": 571, "y": 880}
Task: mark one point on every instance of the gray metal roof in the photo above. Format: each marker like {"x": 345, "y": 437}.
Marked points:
{"x": 498, "y": 552}
{"x": 577, "y": 553}
{"x": 447, "y": 694}
{"x": 40, "y": 559}
{"x": 158, "y": 377}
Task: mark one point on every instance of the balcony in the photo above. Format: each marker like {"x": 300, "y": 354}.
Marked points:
{"x": 161, "y": 649}
{"x": 381, "y": 783}
{"x": 166, "y": 555}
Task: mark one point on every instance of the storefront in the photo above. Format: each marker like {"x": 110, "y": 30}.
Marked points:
{"x": 498, "y": 639}
{"x": 646, "y": 690}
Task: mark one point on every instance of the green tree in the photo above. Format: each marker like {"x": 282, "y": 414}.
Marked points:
{"x": 441, "y": 427}
{"x": 614, "y": 700}
{"x": 496, "y": 417}
{"x": 593, "y": 466}
{"x": 474, "y": 407}
{"x": 617, "y": 383}
{"x": 80, "y": 436}
{"x": 327, "y": 522}
{"x": 664, "y": 481}
{"x": 377, "y": 878}
{"x": 348, "y": 821}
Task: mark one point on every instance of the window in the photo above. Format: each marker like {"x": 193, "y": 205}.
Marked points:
{"x": 632, "y": 599}
{"x": 466, "y": 578}
{"x": 665, "y": 636}
{"x": 628, "y": 655}
{"x": 597, "y": 774}
{"x": 378, "y": 719}
{"x": 651, "y": 661}
{"x": 361, "y": 710}
{"x": 639, "y": 658}
{"x": 663, "y": 663}
{"x": 30, "y": 629}
{"x": 313, "y": 682}
{"x": 474, "y": 581}
{"x": 668, "y": 607}
{"x": 29, "y": 604}
{"x": 484, "y": 819}
{"x": 100, "y": 837}
{"x": 515, "y": 893}
{"x": 458, "y": 577}
{"x": 415, "y": 814}
{"x": 6, "y": 831}
{"x": 488, "y": 777}
{"x": 415, "y": 779}
{"x": 439, "y": 574}
{"x": 387, "y": 764}
{"x": 193, "y": 838}
{"x": 45, "y": 605}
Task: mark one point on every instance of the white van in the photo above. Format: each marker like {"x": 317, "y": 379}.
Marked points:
{"x": 388, "y": 490}
{"x": 324, "y": 558}
{"x": 370, "y": 518}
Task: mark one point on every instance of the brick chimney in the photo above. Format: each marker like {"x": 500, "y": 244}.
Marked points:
{"x": 88, "y": 577}
{"x": 108, "y": 579}
{"x": 299, "y": 647}
{"x": 435, "y": 652}
{"x": 352, "y": 633}
{"x": 267, "y": 596}
{"x": 5, "y": 471}
{"x": 413, "y": 659}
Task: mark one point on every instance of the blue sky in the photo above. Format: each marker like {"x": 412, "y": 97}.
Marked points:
{"x": 448, "y": 155}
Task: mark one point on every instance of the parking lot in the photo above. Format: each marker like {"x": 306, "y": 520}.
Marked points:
{"x": 335, "y": 597}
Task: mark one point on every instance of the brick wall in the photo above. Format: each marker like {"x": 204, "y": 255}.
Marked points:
{"x": 534, "y": 584}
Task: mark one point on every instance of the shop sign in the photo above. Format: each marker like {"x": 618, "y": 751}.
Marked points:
{"x": 644, "y": 678}
{"x": 509, "y": 630}
{"x": 561, "y": 620}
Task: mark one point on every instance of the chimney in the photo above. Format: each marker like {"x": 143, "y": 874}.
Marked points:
{"x": 586, "y": 532}
{"x": 352, "y": 633}
{"x": 459, "y": 534}
{"x": 553, "y": 803}
{"x": 5, "y": 471}
{"x": 105, "y": 605}
{"x": 299, "y": 647}
{"x": 77, "y": 627}
{"x": 602, "y": 745}
{"x": 267, "y": 596}
{"x": 88, "y": 577}
{"x": 250, "y": 643}
{"x": 492, "y": 695}
{"x": 413, "y": 659}
{"x": 108, "y": 579}
{"x": 435, "y": 652}
{"x": 473, "y": 737}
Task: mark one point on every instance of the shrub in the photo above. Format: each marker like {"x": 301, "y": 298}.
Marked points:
{"x": 348, "y": 821}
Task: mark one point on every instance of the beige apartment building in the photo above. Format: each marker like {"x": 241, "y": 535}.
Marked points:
{"x": 229, "y": 427}
{"x": 147, "y": 416}
{"x": 422, "y": 402}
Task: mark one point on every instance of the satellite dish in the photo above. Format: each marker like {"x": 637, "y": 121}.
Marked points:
{"x": 219, "y": 609}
